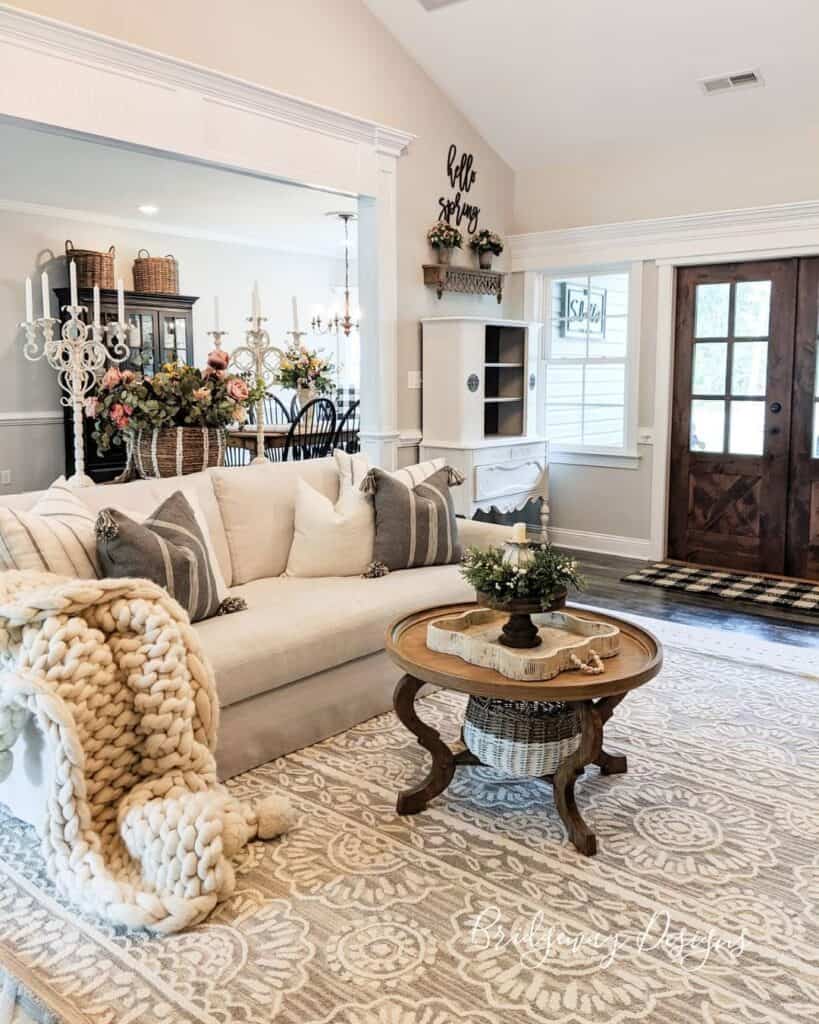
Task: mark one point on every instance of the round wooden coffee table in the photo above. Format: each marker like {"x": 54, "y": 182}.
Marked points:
{"x": 594, "y": 696}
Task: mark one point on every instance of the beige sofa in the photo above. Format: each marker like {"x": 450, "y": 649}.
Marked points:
{"x": 306, "y": 660}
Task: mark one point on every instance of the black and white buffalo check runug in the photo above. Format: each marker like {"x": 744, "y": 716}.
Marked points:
{"x": 731, "y": 586}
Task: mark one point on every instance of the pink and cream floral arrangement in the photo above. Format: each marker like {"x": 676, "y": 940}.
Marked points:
{"x": 176, "y": 396}
{"x": 301, "y": 367}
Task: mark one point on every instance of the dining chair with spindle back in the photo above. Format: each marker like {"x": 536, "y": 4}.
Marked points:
{"x": 348, "y": 430}
{"x": 236, "y": 455}
{"x": 275, "y": 412}
{"x": 312, "y": 432}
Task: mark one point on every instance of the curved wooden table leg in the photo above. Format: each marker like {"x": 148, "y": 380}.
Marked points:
{"x": 610, "y": 764}
{"x": 591, "y": 739}
{"x": 411, "y": 801}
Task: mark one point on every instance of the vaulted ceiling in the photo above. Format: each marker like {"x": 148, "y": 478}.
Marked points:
{"x": 537, "y": 75}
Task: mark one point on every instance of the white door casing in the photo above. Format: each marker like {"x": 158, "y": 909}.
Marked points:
{"x": 64, "y": 78}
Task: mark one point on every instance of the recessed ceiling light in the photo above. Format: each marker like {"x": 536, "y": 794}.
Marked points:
{"x": 148, "y": 209}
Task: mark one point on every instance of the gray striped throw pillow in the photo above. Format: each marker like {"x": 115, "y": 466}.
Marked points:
{"x": 168, "y": 548}
{"x": 414, "y": 526}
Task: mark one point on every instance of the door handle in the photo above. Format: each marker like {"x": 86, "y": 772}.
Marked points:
{"x": 776, "y": 407}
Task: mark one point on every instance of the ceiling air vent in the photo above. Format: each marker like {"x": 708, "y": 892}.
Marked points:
{"x": 434, "y": 5}
{"x": 725, "y": 83}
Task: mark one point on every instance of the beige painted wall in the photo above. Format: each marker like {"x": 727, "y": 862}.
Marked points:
{"x": 663, "y": 178}
{"x": 333, "y": 52}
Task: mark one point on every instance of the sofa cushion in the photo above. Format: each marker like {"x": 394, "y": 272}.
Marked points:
{"x": 258, "y": 508}
{"x": 139, "y": 498}
{"x": 296, "y": 627}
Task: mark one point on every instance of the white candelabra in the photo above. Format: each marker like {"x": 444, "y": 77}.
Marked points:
{"x": 79, "y": 355}
{"x": 257, "y": 356}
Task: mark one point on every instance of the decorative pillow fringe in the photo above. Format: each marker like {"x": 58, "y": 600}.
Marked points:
{"x": 454, "y": 477}
{"x": 106, "y": 527}
{"x": 375, "y": 570}
{"x": 369, "y": 484}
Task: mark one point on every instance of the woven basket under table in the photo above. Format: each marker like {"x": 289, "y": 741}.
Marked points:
{"x": 177, "y": 451}
{"x": 521, "y": 737}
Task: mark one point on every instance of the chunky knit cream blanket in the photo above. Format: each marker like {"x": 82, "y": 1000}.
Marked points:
{"x": 138, "y": 828}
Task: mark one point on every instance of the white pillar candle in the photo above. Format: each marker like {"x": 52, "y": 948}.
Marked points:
{"x": 72, "y": 278}
{"x": 46, "y": 290}
{"x": 96, "y": 305}
{"x": 120, "y": 302}
{"x": 215, "y": 313}
{"x": 519, "y": 533}
{"x": 295, "y": 316}
{"x": 29, "y": 302}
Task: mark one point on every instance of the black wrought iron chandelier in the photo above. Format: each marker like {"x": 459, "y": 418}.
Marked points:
{"x": 346, "y": 322}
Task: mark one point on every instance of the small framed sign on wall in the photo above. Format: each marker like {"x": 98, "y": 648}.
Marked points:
{"x": 582, "y": 309}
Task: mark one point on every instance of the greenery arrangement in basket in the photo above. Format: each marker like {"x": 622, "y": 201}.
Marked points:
{"x": 544, "y": 575}
{"x": 303, "y": 368}
{"x": 126, "y": 402}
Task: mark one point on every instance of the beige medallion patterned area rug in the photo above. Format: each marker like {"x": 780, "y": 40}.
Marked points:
{"x": 702, "y": 904}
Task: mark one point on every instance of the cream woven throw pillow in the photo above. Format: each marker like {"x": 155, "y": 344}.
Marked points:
{"x": 56, "y": 535}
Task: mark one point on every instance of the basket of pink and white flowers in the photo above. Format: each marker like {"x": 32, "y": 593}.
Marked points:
{"x": 173, "y": 422}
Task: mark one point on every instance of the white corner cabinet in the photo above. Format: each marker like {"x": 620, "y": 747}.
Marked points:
{"x": 479, "y": 389}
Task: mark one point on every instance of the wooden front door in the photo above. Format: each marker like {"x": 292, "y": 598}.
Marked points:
{"x": 802, "y": 553}
{"x": 731, "y": 427}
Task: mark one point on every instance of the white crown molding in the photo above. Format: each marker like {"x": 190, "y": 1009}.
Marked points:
{"x": 146, "y": 226}
{"x": 30, "y": 419}
{"x": 81, "y": 46}
{"x": 791, "y": 227}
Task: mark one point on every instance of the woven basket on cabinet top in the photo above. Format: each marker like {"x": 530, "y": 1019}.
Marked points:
{"x": 158, "y": 274}
{"x": 521, "y": 737}
{"x": 93, "y": 268}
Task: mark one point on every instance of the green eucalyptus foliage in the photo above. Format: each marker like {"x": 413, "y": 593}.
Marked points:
{"x": 548, "y": 572}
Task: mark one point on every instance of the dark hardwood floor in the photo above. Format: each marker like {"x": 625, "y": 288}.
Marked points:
{"x": 605, "y": 590}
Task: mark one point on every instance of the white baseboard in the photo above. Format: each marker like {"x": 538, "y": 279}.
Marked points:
{"x": 602, "y": 543}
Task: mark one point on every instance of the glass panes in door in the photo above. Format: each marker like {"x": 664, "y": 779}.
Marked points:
{"x": 142, "y": 342}
{"x": 174, "y": 339}
{"x": 729, "y": 376}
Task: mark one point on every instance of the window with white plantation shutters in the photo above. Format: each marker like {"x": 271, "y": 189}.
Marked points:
{"x": 587, "y": 362}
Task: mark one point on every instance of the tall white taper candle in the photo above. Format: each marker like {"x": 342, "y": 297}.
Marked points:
{"x": 215, "y": 313}
{"x": 256, "y": 304}
{"x": 295, "y": 316}
{"x": 72, "y": 278}
{"x": 120, "y": 302}
{"x": 96, "y": 305}
{"x": 29, "y": 302}
{"x": 46, "y": 290}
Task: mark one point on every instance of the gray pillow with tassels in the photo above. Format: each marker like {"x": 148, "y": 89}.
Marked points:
{"x": 168, "y": 548}
{"x": 414, "y": 526}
